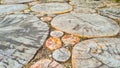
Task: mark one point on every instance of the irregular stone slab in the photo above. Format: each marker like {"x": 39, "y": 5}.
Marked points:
{"x": 112, "y": 12}
{"x": 87, "y": 3}
{"x": 15, "y": 1}
{"x": 61, "y": 54}
{"x": 86, "y": 25}
{"x": 53, "y": 43}
{"x": 97, "y": 53}
{"x": 52, "y": 8}
{"x": 20, "y": 37}
{"x": 47, "y": 63}
{"x": 7, "y": 9}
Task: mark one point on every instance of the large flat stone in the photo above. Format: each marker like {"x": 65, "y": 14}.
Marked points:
{"x": 52, "y": 8}
{"x": 7, "y": 9}
{"x": 112, "y": 12}
{"x": 86, "y": 25}
{"x": 97, "y": 53}
{"x": 15, "y": 1}
{"x": 20, "y": 38}
{"x": 87, "y": 3}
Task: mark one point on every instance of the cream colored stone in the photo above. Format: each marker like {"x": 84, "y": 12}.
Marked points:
{"x": 7, "y": 9}
{"x": 15, "y": 1}
{"x": 52, "y": 8}
{"x": 96, "y": 53}
{"x": 86, "y": 25}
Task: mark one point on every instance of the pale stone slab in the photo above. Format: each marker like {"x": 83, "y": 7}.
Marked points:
{"x": 20, "y": 38}
{"x": 97, "y": 53}
{"x": 15, "y": 1}
{"x": 87, "y": 3}
{"x": 83, "y": 10}
{"x": 86, "y": 25}
{"x": 52, "y": 8}
{"x": 7, "y": 9}
{"x": 112, "y": 12}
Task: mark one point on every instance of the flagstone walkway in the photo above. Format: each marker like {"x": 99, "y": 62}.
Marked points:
{"x": 59, "y": 34}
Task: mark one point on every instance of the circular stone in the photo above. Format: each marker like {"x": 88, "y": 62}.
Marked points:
{"x": 46, "y": 63}
{"x": 61, "y": 54}
{"x": 52, "y": 8}
{"x": 53, "y": 43}
{"x": 70, "y": 39}
{"x": 15, "y": 1}
{"x": 6, "y": 9}
{"x": 20, "y": 38}
{"x": 86, "y": 25}
{"x": 97, "y": 53}
{"x": 56, "y": 33}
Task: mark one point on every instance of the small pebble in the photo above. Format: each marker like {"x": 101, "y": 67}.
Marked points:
{"x": 39, "y": 15}
{"x": 70, "y": 39}
{"x": 53, "y": 43}
{"x": 46, "y": 63}
{"x": 56, "y": 33}
{"x": 46, "y": 19}
{"x": 27, "y": 11}
{"x": 61, "y": 55}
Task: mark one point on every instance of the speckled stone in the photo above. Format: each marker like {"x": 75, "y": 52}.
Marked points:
{"x": 52, "y": 8}
{"x": 20, "y": 38}
{"x": 97, "y": 53}
{"x": 53, "y": 43}
{"x": 47, "y": 63}
{"x": 15, "y": 1}
{"x": 7, "y": 9}
{"x": 86, "y": 25}
{"x": 70, "y": 39}
{"x": 61, "y": 55}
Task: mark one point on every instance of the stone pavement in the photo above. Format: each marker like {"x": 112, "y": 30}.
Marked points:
{"x": 59, "y": 34}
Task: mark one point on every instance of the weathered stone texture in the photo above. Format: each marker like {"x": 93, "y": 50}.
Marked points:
{"x": 20, "y": 38}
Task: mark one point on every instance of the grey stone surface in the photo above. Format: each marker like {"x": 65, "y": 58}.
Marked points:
{"x": 97, "y": 53}
{"x": 86, "y": 25}
{"x": 87, "y": 3}
{"x": 15, "y": 1}
{"x": 61, "y": 54}
{"x": 7, "y": 9}
{"x": 52, "y": 8}
{"x": 20, "y": 38}
{"x": 112, "y": 12}
{"x": 83, "y": 10}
